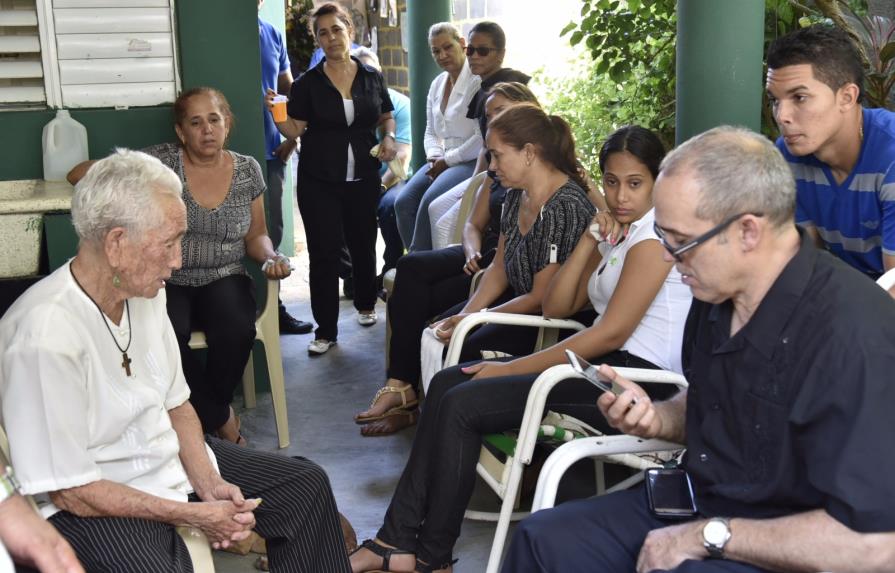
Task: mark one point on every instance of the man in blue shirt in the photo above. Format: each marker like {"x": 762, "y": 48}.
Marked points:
{"x": 275, "y": 75}
{"x": 841, "y": 153}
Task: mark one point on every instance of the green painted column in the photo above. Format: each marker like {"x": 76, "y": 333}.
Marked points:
{"x": 420, "y": 15}
{"x": 719, "y": 64}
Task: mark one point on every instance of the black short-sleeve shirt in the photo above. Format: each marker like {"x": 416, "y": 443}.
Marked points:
{"x": 324, "y": 145}
{"x": 794, "y": 412}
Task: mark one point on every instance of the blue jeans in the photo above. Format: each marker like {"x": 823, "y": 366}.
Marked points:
{"x": 412, "y": 204}
{"x": 388, "y": 227}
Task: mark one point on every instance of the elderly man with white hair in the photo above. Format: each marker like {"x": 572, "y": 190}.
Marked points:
{"x": 789, "y": 353}
{"x": 96, "y": 405}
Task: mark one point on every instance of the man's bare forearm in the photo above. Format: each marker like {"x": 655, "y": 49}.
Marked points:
{"x": 673, "y": 414}
{"x": 809, "y": 542}
{"x": 104, "y": 498}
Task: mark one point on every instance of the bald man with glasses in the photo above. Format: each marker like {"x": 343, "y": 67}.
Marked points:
{"x": 789, "y": 354}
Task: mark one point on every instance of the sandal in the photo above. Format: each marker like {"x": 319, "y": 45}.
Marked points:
{"x": 405, "y": 404}
{"x": 240, "y": 439}
{"x": 395, "y": 422}
{"x": 381, "y": 551}
{"x": 423, "y": 567}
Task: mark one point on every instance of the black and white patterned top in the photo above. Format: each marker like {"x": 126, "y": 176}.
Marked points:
{"x": 564, "y": 217}
{"x": 214, "y": 243}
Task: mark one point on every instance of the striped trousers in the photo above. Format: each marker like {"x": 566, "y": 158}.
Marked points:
{"x": 298, "y": 519}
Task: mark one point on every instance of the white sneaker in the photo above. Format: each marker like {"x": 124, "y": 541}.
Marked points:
{"x": 320, "y": 346}
{"x": 367, "y": 318}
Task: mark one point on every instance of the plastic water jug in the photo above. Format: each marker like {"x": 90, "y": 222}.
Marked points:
{"x": 64, "y": 145}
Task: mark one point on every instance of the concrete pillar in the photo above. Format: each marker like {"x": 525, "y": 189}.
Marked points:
{"x": 719, "y": 65}
{"x": 420, "y": 15}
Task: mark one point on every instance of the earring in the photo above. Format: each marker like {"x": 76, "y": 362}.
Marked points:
{"x": 116, "y": 281}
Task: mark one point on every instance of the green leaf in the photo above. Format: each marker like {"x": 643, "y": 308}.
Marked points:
{"x": 569, "y": 27}
{"x": 804, "y": 21}
{"x": 602, "y": 66}
{"x": 887, "y": 53}
{"x": 576, "y": 37}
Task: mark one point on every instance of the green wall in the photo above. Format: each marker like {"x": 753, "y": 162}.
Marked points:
{"x": 218, "y": 45}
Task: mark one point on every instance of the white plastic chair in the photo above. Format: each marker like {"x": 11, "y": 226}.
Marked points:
{"x": 196, "y": 541}
{"x": 267, "y": 330}
{"x": 505, "y": 477}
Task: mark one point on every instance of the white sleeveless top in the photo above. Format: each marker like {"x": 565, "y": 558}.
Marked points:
{"x": 659, "y": 335}
{"x": 348, "y": 104}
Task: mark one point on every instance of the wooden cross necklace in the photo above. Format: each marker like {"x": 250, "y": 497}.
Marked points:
{"x": 125, "y": 360}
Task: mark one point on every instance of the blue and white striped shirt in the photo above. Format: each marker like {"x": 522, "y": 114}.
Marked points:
{"x": 856, "y": 219}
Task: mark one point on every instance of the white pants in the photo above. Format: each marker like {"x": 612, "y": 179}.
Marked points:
{"x": 443, "y": 214}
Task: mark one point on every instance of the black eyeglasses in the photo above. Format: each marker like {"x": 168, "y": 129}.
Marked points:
{"x": 480, "y": 50}
{"x": 676, "y": 252}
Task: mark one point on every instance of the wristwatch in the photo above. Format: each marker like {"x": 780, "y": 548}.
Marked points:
{"x": 9, "y": 485}
{"x": 715, "y": 536}
{"x": 390, "y": 134}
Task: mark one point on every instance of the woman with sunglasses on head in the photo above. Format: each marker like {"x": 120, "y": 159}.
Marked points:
{"x": 643, "y": 307}
{"x": 452, "y": 141}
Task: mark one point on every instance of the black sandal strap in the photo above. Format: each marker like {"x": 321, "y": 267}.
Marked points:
{"x": 422, "y": 567}
{"x": 380, "y": 551}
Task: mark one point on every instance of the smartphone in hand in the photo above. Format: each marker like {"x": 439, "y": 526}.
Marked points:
{"x": 592, "y": 375}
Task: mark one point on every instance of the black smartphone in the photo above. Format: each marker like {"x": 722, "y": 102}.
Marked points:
{"x": 669, "y": 493}
{"x": 592, "y": 375}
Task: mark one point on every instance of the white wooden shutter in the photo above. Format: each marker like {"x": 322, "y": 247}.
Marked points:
{"x": 21, "y": 68}
{"x": 115, "y": 52}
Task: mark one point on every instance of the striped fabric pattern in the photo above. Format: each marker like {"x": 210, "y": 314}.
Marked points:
{"x": 856, "y": 218}
{"x": 298, "y": 518}
{"x": 562, "y": 220}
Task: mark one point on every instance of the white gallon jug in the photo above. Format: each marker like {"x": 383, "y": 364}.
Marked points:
{"x": 64, "y": 145}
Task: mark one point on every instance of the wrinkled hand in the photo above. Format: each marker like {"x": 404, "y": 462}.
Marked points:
{"x": 488, "y": 369}
{"x": 611, "y": 230}
{"x": 388, "y": 149}
{"x": 33, "y": 542}
{"x": 445, "y": 328}
{"x": 285, "y": 149}
{"x": 666, "y": 548}
{"x": 224, "y": 521}
{"x": 436, "y": 168}
{"x": 640, "y": 419}
{"x": 221, "y": 490}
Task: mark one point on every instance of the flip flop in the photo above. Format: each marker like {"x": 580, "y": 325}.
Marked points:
{"x": 391, "y": 424}
{"x": 405, "y": 404}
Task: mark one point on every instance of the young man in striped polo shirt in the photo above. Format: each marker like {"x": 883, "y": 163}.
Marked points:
{"x": 841, "y": 153}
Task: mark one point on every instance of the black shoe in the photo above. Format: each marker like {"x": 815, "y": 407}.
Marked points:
{"x": 348, "y": 288}
{"x": 291, "y": 325}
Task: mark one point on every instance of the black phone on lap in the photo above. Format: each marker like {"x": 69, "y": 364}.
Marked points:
{"x": 669, "y": 493}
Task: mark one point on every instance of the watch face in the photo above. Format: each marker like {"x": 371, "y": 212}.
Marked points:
{"x": 715, "y": 532}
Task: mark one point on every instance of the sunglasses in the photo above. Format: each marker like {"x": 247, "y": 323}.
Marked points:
{"x": 677, "y": 252}
{"x": 480, "y": 50}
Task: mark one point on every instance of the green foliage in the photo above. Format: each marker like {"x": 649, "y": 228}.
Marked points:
{"x": 631, "y": 79}
{"x": 632, "y": 46}
{"x": 299, "y": 40}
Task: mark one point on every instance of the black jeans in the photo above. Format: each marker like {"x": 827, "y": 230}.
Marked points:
{"x": 427, "y": 284}
{"x": 456, "y": 414}
{"x": 225, "y": 311}
{"x": 333, "y": 212}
